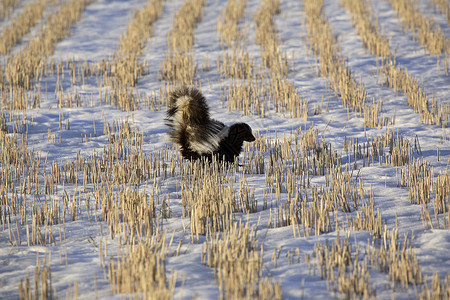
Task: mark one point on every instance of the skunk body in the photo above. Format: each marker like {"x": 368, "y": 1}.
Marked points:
{"x": 192, "y": 128}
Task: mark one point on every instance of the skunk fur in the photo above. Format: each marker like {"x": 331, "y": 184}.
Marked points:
{"x": 191, "y": 127}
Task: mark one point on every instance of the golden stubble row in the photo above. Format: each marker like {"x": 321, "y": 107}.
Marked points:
{"x": 333, "y": 65}
{"x": 6, "y": 7}
{"x": 110, "y": 92}
{"x": 73, "y": 72}
{"x": 255, "y": 89}
{"x": 267, "y": 38}
{"x": 125, "y": 66}
{"x": 42, "y": 284}
{"x": 376, "y": 43}
{"x": 117, "y": 77}
{"x": 429, "y": 191}
{"x": 290, "y": 164}
{"x": 179, "y": 66}
{"x": 427, "y": 32}
{"x": 140, "y": 269}
{"x": 236, "y": 61}
{"x": 237, "y": 258}
{"x": 443, "y": 6}
{"x": 345, "y": 273}
{"x": 28, "y": 64}
{"x": 348, "y": 267}
{"x": 396, "y": 77}
{"x": 21, "y": 25}
{"x": 399, "y": 79}
{"x": 228, "y": 23}
{"x": 341, "y": 264}
{"x": 114, "y": 77}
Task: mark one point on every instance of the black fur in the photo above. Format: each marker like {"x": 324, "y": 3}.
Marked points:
{"x": 197, "y": 134}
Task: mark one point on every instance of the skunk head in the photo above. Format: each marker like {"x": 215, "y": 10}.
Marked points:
{"x": 244, "y": 132}
{"x": 239, "y": 133}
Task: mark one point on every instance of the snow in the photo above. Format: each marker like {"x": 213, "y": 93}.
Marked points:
{"x": 96, "y": 36}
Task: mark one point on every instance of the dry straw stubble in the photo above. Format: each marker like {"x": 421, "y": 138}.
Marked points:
{"x": 21, "y": 25}
{"x": 333, "y": 65}
{"x": 178, "y": 65}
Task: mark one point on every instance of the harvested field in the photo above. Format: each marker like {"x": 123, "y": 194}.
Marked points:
{"x": 345, "y": 193}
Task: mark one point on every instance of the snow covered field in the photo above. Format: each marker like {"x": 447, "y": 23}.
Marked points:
{"x": 78, "y": 249}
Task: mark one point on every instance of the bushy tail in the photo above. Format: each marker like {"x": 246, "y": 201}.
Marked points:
{"x": 190, "y": 124}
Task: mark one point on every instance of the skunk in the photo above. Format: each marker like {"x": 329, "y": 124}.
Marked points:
{"x": 191, "y": 127}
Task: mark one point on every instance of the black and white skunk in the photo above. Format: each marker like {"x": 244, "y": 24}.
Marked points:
{"x": 197, "y": 134}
